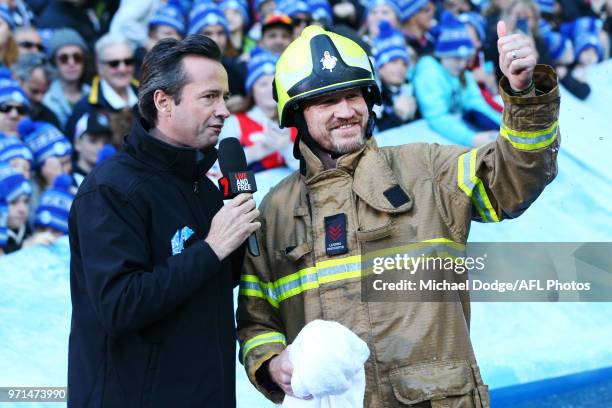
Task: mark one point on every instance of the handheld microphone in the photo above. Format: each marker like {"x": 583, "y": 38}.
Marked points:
{"x": 236, "y": 178}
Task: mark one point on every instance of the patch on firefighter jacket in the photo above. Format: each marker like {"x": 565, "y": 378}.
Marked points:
{"x": 335, "y": 234}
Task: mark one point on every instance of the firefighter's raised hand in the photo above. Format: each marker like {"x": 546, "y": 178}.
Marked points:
{"x": 517, "y": 57}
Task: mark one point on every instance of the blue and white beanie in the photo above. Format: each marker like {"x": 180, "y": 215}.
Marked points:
{"x": 54, "y": 206}
{"x": 557, "y": 44}
{"x": 10, "y": 89}
{"x": 454, "y": 40}
{"x": 321, "y": 11}
{"x": 4, "y": 210}
{"x": 408, "y": 8}
{"x": 261, "y": 63}
{"x": 5, "y": 14}
{"x": 391, "y": 3}
{"x": 44, "y": 140}
{"x": 171, "y": 15}
{"x": 389, "y": 45}
{"x": 13, "y": 148}
{"x": 546, "y": 6}
{"x": 477, "y": 21}
{"x": 13, "y": 183}
{"x": 239, "y": 5}
{"x": 205, "y": 14}
{"x": 292, "y": 8}
{"x": 584, "y": 32}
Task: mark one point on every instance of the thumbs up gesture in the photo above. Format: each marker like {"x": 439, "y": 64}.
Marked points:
{"x": 517, "y": 57}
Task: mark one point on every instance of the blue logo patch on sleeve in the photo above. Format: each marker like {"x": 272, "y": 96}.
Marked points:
{"x": 178, "y": 240}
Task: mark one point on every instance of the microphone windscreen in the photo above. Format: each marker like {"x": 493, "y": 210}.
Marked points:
{"x": 231, "y": 156}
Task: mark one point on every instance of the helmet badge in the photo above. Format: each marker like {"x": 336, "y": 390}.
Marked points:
{"x": 328, "y": 61}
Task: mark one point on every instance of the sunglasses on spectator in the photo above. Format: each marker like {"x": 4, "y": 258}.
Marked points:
{"x": 77, "y": 57}
{"x": 31, "y": 45}
{"x": 128, "y": 62}
{"x": 21, "y": 109}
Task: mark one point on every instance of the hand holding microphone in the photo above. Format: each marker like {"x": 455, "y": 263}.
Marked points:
{"x": 232, "y": 225}
{"x": 235, "y": 222}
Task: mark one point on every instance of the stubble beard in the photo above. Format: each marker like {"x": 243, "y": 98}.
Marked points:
{"x": 350, "y": 146}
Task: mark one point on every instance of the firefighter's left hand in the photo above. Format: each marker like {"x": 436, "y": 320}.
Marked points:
{"x": 281, "y": 371}
{"x": 517, "y": 57}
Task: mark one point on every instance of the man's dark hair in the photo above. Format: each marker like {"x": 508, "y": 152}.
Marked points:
{"x": 163, "y": 69}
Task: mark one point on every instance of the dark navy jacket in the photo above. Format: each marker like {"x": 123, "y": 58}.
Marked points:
{"x": 149, "y": 328}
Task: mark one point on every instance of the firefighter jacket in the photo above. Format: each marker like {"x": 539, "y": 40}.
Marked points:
{"x": 316, "y": 223}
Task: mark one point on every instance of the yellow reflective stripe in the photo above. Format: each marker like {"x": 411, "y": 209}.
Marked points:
{"x": 269, "y": 337}
{"x": 333, "y": 270}
{"x": 416, "y": 247}
{"x": 335, "y": 262}
{"x": 296, "y": 275}
{"x": 311, "y": 278}
{"x": 449, "y": 242}
{"x": 297, "y": 290}
{"x": 249, "y": 278}
{"x": 532, "y": 133}
{"x": 489, "y": 207}
{"x": 441, "y": 240}
{"x": 473, "y": 186}
{"x": 475, "y": 180}
{"x": 251, "y": 292}
{"x": 251, "y": 285}
{"x": 340, "y": 276}
{"x": 531, "y": 140}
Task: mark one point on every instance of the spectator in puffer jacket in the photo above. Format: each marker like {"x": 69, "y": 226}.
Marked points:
{"x": 447, "y": 94}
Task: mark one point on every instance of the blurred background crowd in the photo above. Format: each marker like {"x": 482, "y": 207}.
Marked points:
{"x": 69, "y": 77}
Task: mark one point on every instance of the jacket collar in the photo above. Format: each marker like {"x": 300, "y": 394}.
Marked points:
{"x": 185, "y": 162}
{"x": 96, "y": 96}
{"x": 313, "y": 165}
{"x": 372, "y": 175}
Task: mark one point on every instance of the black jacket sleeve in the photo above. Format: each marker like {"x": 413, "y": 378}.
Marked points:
{"x": 237, "y": 261}
{"x": 128, "y": 292}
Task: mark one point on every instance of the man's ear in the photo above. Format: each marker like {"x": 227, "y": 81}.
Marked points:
{"x": 163, "y": 103}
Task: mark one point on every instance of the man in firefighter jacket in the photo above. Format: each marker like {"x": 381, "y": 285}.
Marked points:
{"x": 427, "y": 194}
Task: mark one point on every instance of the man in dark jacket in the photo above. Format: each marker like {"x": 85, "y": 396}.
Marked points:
{"x": 154, "y": 253}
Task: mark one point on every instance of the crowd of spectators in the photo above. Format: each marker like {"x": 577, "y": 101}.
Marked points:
{"x": 69, "y": 77}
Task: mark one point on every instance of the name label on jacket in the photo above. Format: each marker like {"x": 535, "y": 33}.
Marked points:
{"x": 335, "y": 234}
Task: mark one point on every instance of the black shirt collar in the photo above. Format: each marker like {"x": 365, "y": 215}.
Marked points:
{"x": 185, "y": 162}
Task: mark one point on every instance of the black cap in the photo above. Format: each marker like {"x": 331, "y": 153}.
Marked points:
{"x": 93, "y": 123}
